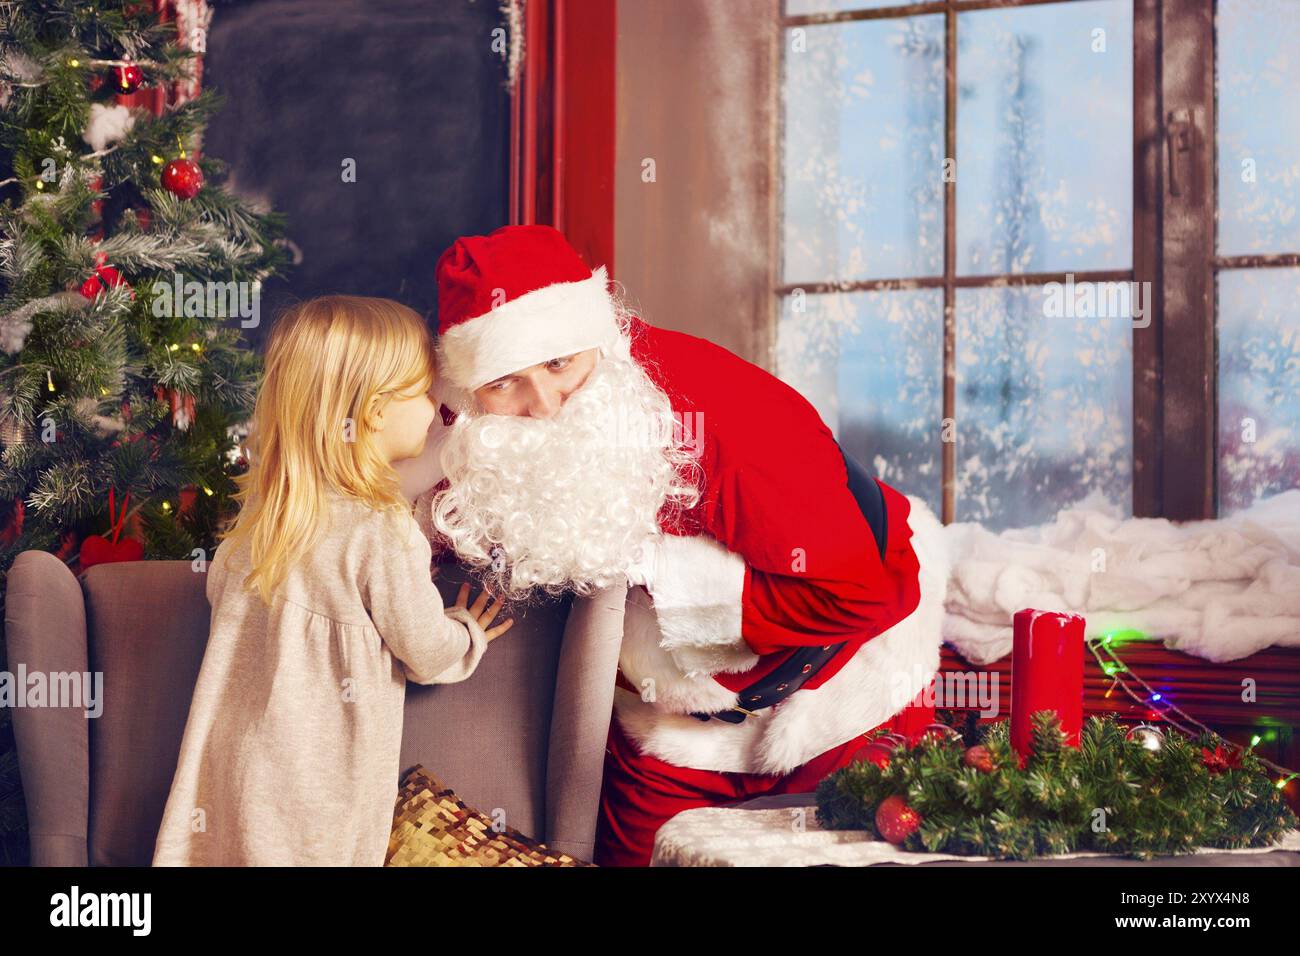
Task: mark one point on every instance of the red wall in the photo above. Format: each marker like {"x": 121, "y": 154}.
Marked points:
{"x": 562, "y": 170}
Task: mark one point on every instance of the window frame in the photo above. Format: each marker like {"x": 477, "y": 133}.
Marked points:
{"x": 563, "y": 127}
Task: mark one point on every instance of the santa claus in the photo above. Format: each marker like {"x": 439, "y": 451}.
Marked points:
{"x": 783, "y": 604}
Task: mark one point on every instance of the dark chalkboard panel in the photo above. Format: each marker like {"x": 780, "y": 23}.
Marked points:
{"x": 410, "y": 89}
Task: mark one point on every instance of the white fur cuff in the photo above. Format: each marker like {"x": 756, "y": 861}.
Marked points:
{"x": 698, "y": 586}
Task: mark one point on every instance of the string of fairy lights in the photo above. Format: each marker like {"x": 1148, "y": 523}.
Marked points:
{"x": 1158, "y": 704}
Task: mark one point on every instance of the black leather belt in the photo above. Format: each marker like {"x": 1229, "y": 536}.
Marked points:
{"x": 804, "y": 662}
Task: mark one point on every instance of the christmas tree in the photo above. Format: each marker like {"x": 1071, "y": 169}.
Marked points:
{"x": 127, "y": 276}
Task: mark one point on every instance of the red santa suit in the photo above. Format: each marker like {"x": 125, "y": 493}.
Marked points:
{"x": 775, "y": 557}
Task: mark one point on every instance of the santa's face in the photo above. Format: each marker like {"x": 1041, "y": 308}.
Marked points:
{"x": 539, "y": 390}
{"x": 562, "y": 489}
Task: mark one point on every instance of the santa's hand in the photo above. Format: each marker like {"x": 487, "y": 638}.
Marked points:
{"x": 642, "y": 572}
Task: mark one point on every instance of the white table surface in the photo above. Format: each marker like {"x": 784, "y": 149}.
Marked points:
{"x": 783, "y": 831}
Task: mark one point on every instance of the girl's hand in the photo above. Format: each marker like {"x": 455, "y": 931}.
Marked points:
{"x": 482, "y": 613}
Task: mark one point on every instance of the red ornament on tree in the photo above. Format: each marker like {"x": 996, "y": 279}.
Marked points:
{"x": 939, "y": 733}
{"x": 182, "y": 404}
{"x": 151, "y": 442}
{"x": 979, "y": 758}
{"x": 895, "y": 820}
{"x": 127, "y": 79}
{"x": 13, "y": 525}
{"x": 182, "y": 177}
{"x": 874, "y": 753}
{"x": 96, "y": 549}
{"x": 105, "y": 277}
{"x": 1219, "y": 760}
{"x": 97, "y": 205}
{"x": 67, "y": 545}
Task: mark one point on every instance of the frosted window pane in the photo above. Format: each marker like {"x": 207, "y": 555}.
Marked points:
{"x": 1044, "y": 408}
{"x": 1044, "y": 138}
{"x": 1259, "y": 126}
{"x": 863, "y": 147}
{"x": 1259, "y": 385}
{"x": 872, "y": 365}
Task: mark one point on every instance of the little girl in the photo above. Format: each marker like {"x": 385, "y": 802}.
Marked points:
{"x": 322, "y": 605}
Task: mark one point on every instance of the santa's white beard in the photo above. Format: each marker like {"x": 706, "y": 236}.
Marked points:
{"x": 566, "y": 503}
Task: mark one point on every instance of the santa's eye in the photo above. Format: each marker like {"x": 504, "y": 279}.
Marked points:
{"x": 558, "y": 363}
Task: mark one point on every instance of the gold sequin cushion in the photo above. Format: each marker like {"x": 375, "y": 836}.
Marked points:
{"x": 433, "y": 827}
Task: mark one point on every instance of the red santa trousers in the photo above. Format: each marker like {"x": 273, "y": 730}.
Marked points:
{"x": 640, "y": 792}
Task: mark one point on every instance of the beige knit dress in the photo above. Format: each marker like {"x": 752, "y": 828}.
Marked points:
{"x": 292, "y": 746}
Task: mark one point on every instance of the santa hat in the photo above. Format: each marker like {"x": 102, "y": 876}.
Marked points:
{"x": 516, "y": 297}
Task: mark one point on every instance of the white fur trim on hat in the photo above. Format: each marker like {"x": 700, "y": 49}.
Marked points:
{"x": 546, "y": 323}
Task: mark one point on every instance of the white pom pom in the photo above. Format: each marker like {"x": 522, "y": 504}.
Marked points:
{"x": 107, "y": 125}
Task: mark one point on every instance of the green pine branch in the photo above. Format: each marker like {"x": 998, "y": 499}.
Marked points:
{"x": 1108, "y": 795}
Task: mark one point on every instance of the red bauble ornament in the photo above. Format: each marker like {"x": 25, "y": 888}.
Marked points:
{"x": 127, "y": 79}
{"x": 182, "y": 177}
{"x": 940, "y": 733}
{"x": 874, "y": 753}
{"x": 890, "y": 740}
{"x": 895, "y": 820}
{"x": 979, "y": 758}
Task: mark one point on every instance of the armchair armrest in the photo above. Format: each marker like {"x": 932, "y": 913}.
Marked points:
{"x": 584, "y": 703}
{"x": 45, "y": 632}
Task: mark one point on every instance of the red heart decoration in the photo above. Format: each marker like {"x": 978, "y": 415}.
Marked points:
{"x": 96, "y": 549}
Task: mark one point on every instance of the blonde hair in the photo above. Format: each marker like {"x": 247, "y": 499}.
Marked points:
{"x": 327, "y": 360}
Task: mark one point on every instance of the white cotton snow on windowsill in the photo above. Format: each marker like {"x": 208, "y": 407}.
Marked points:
{"x": 1220, "y": 589}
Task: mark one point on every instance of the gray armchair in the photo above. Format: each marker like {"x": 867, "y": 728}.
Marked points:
{"x": 526, "y": 733}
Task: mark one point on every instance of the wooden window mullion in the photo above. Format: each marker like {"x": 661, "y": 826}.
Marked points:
{"x": 1187, "y": 340}
{"x": 1148, "y": 186}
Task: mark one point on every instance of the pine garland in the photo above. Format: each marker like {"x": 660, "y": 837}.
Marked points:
{"x": 1109, "y": 795}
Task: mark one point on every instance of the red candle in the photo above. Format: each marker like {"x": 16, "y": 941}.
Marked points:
{"x": 1046, "y": 674}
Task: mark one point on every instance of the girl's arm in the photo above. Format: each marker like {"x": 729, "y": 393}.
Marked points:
{"x": 433, "y": 643}
{"x": 463, "y": 620}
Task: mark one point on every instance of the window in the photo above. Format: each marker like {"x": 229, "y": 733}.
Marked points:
{"x": 988, "y": 273}
{"x": 1258, "y": 238}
